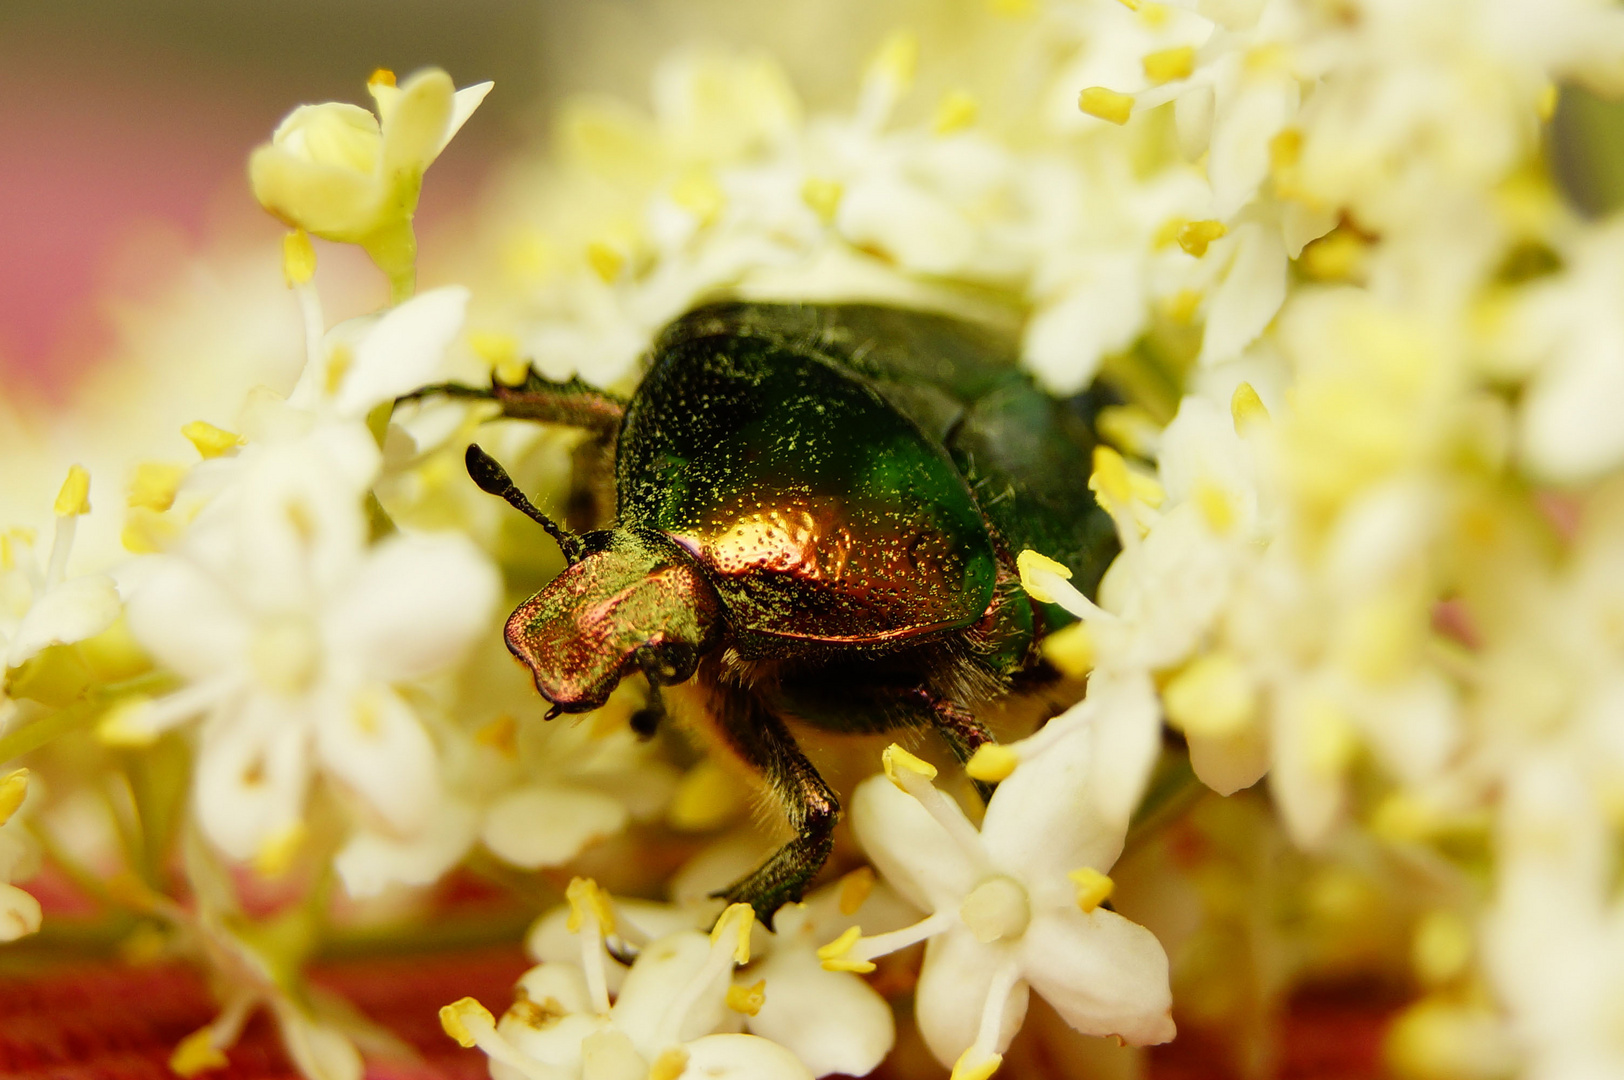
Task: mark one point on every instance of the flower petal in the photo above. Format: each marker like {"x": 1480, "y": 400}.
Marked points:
{"x": 372, "y": 861}
{"x": 252, "y": 772}
{"x": 72, "y": 611}
{"x": 403, "y": 350}
{"x": 832, "y": 1020}
{"x": 741, "y": 1057}
{"x": 914, "y": 853}
{"x": 413, "y": 605}
{"x": 415, "y": 127}
{"x": 952, "y": 996}
{"x": 662, "y": 972}
{"x": 549, "y": 824}
{"x": 374, "y": 743}
{"x": 462, "y": 107}
{"x": 1102, "y": 973}
{"x": 1126, "y": 737}
{"x": 188, "y": 620}
{"x": 19, "y": 913}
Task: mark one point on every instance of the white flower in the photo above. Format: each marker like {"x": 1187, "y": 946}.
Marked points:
{"x": 1013, "y": 906}
{"x": 43, "y": 606}
{"x": 669, "y": 1018}
{"x": 292, "y": 633}
{"x": 19, "y": 860}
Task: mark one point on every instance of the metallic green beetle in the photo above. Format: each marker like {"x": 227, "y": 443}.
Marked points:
{"x": 818, "y": 510}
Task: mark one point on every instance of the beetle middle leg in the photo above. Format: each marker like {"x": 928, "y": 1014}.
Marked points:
{"x": 761, "y": 739}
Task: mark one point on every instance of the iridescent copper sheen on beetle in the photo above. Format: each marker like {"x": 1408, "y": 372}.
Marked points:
{"x": 817, "y": 512}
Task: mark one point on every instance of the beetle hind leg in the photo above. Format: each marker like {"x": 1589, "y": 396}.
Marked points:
{"x": 765, "y": 744}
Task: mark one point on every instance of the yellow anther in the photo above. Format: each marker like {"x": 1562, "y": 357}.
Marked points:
{"x": 1169, "y": 64}
{"x": 897, "y": 58}
{"x": 501, "y": 735}
{"x": 1336, "y": 256}
{"x": 381, "y": 77}
{"x": 277, "y": 853}
{"x": 1214, "y": 696}
{"x": 1011, "y": 9}
{"x": 125, "y": 723}
{"x": 14, "y": 788}
{"x": 1093, "y": 888}
{"x": 1285, "y": 149}
{"x": 1110, "y": 481}
{"x": 1195, "y": 236}
{"x": 455, "y": 1019}
{"x": 74, "y": 498}
{"x": 854, "y": 889}
{"x": 979, "y": 1068}
{"x": 747, "y": 999}
{"x": 1106, "y": 104}
{"x": 197, "y": 1054}
{"x": 836, "y": 956}
{"x": 744, "y": 918}
{"x": 1146, "y": 488}
{"x": 698, "y": 193}
{"x": 956, "y": 111}
{"x": 1182, "y": 305}
{"x": 155, "y": 485}
{"x": 211, "y": 442}
{"x": 823, "y": 196}
{"x": 1071, "y": 650}
{"x": 1131, "y": 5}
{"x": 588, "y": 900}
{"x": 605, "y": 261}
{"x": 1442, "y": 947}
{"x": 501, "y": 353}
{"x": 992, "y": 763}
{"x": 1545, "y": 103}
{"x": 709, "y": 795}
{"x": 1247, "y": 409}
{"x": 673, "y": 1061}
{"x": 1030, "y": 564}
{"x": 298, "y": 258}
{"x": 895, "y": 760}
{"x": 1215, "y": 505}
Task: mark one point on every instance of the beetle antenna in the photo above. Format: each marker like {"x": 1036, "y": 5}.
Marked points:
{"x": 494, "y": 480}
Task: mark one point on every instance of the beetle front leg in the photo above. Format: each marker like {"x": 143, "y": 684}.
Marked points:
{"x": 765, "y": 744}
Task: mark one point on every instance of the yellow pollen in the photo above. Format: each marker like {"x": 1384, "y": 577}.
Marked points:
{"x": 123, "y": 724}
{"x": 897, "y": 58}
{"x": 698, "y": 193}
{"x": 211, "y": 442}
{"x": 1169, "y": 64}
{"x": 276, "y": 854}
{"x": 1336, "y": 256}
{"x": 1214, "y": 697}
{"x": 854, "y": 889}
{"x": 745, "y": 916}
{"x": 1442, "y": 947}
{"x": 1215, "y": 505}
{"x": 708, "y": 796}
{"x": 586, "y": 898}
{"x": 747, "y": 999}
{"x": 155, "y": 484}
{"x": 835, "y": 956}
{"x": 1181, "y": 306}
{"x": 894, "y": 759}
{"x": 1093, "y": 888}
{"x": 1247, "y": 409}
{"x": 14, "y": 787}
{"x": 605, "y": 261}
{"x": 1108, "y": 105}
{"x": 381, "y": 77}
{"x": 454, "y": 1020}
{"x": 1285, "y": 149}
{"x": 501, "y": 735}
{"x": 1131, "y": 5}
{"x": 673, "y": 1061}
{"x": 1545, "y": 104}
{"x": 74, "y": 498}
{"x": 501, "y": 352}
{"x": 1195, "y": 236}
{"x": 197, "y": 1054}
{"x": 964, "y": 1068}
{"x": 1071, "y": 650}
{"x": 1029, "y": 564}
{"x": 298, "y": 258}
{"x": 823, "y": 196}
{"x": 957, "y": 111}
{"x": 991, "y": 763}
{"x": 1109, "y": 480}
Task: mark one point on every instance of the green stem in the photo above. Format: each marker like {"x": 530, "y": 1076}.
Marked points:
{"x": 31, "y": 737}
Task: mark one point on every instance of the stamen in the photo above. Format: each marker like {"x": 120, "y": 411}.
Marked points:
{"x": 1108, "y": 105}
{"x": 298, "y": 258}
{"x": 197, "y": 1053}
{"x": 992, "y": 762}
{"x": 836, "y": 955}
{"x": 13, "y": 789}
{"x": 592, "y": 918}
{"x": 854, "y": 887}
{"x": 1247, "y": 409}
{"x": 980, "y": 1061}
{"x": 747, "y": 999}
{"x": 471, "y": 1024}
{"x": 852, "y": 952}
{"x": 74, "y": 497}
{"x": 211, "y": 442}
{"x": 738, "y": 920}
{"x": 888, "y": 77}
{"x": 1071, "y": 649}
{"x": 1048, "y": 586}
{"x": 914, "y": 777}
{"x": 1093, "y": 888}
{"x": 1197, "y": 236}
{"x": 154, "y": 485}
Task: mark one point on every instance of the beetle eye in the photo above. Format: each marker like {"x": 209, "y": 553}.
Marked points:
{"x": 667, "y": 663}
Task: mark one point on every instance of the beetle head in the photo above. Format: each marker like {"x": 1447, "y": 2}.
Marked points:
{"x": 631, "y": 599}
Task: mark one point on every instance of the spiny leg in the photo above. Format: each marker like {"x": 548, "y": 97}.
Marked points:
{"x": 765, "y": 744}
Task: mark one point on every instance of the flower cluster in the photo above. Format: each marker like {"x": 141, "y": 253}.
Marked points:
{"x": 1349, "y": 701}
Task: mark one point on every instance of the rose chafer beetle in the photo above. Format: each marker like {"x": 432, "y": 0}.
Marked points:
{"x": 817, "y": 514}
